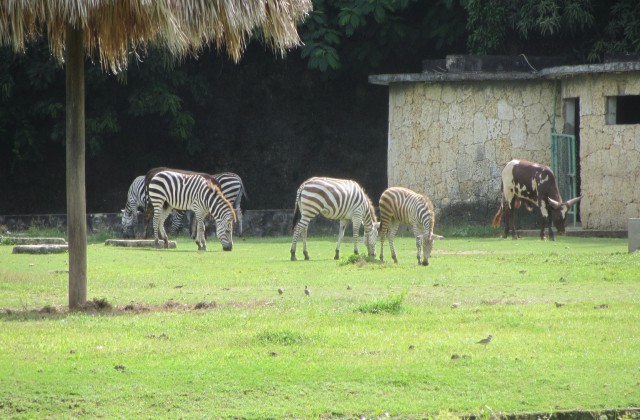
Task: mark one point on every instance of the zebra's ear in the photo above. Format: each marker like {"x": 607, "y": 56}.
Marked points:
{"x": 122, "y": 211}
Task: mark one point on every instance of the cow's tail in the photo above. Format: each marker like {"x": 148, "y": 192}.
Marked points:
{"x": 496, "y": 219}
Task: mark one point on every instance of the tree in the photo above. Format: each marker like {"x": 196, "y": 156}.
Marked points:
{"x": 581, "y": 29}
{"x": 80, "y": 28}
{"x": 364, "y": 36}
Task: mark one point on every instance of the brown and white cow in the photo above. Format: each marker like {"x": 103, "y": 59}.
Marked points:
{"x": 536, "y": 185}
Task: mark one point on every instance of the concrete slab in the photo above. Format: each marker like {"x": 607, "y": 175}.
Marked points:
{"x": 584, "y": 233}
{"x": 40, "y": 249}
{"x": 24, "y": 240}
{"x": 137, "y": 243}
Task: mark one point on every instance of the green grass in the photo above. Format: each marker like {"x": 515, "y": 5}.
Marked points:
{"x": 206, "y": 334}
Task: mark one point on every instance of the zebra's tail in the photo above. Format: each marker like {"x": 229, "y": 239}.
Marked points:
{"x": 496, "y": 219}
{"x": 296, "y": 216}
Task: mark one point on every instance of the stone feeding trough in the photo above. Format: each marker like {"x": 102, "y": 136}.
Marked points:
{"x": 26, "y": 245}
{"x": 137, "y": 243}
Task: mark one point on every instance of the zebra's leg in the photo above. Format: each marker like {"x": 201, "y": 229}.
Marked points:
{"x": 304, "y": 242}
{"x": 149, "y": 213}
{"x": 393, "y": 229}
{"x": 357, "y": 221}
{"x": 383, "y": 232}
{"x": 343, "y": 225}
{"x": 301, "y": 226}
{"x": 239, "y": 217}
{"x": 164, "y": 213}
{"x": 416, "y": 233}
{"x": 156, "y": 220}
{"x": 200, "y": 240}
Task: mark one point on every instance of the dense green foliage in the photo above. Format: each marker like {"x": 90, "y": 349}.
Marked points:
{"x": 188, "y": 334}
{"x": 275, "y": 121}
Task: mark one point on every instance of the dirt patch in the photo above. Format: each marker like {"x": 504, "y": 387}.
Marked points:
{"x": 103, "y": 306}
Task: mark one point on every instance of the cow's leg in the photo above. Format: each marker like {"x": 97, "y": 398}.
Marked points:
{"x": 512, "y": 223}
{"x": 545, "y": 221}
{"x": 507, "y": 226}
{"x": 343, "y": 225}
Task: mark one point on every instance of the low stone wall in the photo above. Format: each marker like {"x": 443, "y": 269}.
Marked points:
{"x": 257, "y": 223}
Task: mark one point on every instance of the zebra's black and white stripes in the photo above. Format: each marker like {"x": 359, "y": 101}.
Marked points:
{"x": 185, "y": 190}
{"x": 338, "y": 199}
{"x": 233, "y": 189}
{"x": 401, "y": 206}
{"x": 136, "y": 201}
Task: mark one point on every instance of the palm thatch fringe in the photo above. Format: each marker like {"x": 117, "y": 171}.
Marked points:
{"x": 114, "y": 31}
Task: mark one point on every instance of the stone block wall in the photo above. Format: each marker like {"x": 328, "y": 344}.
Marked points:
{"x": 451, "y": 140}
{"x": 609, "y": 154}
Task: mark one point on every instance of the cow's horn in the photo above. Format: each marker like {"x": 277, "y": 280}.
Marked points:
{"x": 554, "y": 203}
{"x": 573, "y": 201}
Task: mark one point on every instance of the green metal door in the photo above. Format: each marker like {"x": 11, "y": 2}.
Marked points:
{"x": 563, "y": 164}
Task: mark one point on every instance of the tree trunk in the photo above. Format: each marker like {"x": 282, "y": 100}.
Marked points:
{"x": 76, "y": 196}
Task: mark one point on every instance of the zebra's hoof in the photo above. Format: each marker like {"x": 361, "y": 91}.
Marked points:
{"x": 425, "y": 262}
{"x": 293, "y": 258}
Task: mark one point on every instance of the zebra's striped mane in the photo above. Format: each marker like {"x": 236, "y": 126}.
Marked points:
{"x": 215, "y": 186}
{"x": 372, "y": 209}
{"x": 433, "y": 213}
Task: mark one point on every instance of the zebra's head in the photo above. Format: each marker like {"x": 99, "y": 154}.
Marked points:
{"x": 224, "y": 231}
{"x": 128, "y": 220}
{"x": 370, "y": 239}
{"x": 224, "y": 216}
{"x": 428, "y": 239}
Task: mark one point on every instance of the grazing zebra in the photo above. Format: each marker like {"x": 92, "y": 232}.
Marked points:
{"x": 185, "y": 190}
{"x": 136, "y": 200}
{"x": 402, "y": 206}
{"x": 232, "y": 188}
{"x": 337, "y": 199}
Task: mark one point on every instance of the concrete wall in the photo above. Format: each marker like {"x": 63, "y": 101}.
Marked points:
{"x": 609, "y": 154}
{"x": 450, "y": 140}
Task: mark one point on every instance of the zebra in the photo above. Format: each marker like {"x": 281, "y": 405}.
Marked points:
{"x": 232, "y": 188}
{"x": 136, "y": 201}
{"x": 193, "y": 191}
{"x": 402, "y": 206}
{"x": 337, "y": 199}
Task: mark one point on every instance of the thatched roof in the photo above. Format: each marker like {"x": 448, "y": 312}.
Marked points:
{"x": 115, "y": 29}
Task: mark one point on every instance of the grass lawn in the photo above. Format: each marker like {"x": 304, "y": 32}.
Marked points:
{"x": 206, "y": 334}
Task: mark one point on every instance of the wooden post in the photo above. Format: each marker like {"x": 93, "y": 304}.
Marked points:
{"x": 75, "y": 141}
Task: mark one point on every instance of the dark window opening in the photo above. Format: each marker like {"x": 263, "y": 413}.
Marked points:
{"x": 623, "y": 109}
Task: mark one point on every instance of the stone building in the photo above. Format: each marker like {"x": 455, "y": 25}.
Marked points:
{"x": 453, "y": 127}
